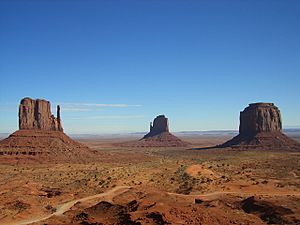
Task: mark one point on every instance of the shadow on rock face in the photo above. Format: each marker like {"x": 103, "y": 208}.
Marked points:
{"x": 105, "y": 213}
{"x": 157, "y": 218}
{"x": 267, "y": 211}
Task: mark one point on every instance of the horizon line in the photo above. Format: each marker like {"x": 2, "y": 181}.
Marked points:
{"x": 143, "y": 132}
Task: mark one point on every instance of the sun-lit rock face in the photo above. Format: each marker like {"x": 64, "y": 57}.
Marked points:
{"x": 260, "y": 128}
{"x": 260, "y": 117}
{"x": 36, "y": 115}
{"x": 41, "y": 137}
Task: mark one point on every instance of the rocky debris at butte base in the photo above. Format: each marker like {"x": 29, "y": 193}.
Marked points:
{"x": 40, "y": 134}
{"x": 261, "y": 128}
{"x": 159, "y": 136}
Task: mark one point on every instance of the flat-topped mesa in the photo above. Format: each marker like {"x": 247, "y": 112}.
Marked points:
{"x": 160, "y": 125}
{"x": 260, "y": 127}
{"x": 36, "y": 115}
{"x": 260, "y": 117}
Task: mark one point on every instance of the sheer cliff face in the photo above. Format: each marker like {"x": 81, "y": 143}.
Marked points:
{"x": 260, "y": 117}
{"x": 260, "y": 128}
{"x": 160, "y": 125}
{"x": 36, "y": 115}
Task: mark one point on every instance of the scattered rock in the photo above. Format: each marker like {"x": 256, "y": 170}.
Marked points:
{"x": 50, "y": 208}
{"x": 81, "y": 216}
{"x": 18, "y": 206}
{"x": 157, "y": 218}
{"x": 132, "y": 206}
{"x": 198, "y": 201}
{"x": 51, "y": 192}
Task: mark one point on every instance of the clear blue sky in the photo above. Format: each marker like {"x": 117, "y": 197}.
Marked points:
{"x": 114, "y": 65}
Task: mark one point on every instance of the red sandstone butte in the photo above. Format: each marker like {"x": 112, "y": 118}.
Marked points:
{"x": 41, "y": 136}
{"x": 261, "y": 128}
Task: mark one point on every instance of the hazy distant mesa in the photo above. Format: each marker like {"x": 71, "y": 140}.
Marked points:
{"x": 158, "y": 136}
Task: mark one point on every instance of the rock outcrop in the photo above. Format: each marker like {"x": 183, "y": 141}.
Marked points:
{"x": 159, "y": 136}
{"x": 160, "y": 125}
{"x": 260, "y": 117}
{"x": 261, "y": 127}
{"x": 36, "y": 115}
{"x": 41, "y": 136}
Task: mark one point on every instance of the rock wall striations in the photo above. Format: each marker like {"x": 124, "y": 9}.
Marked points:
{"x": 260, "y": 128}
{"x": 260, "y": 117}
{"x": 36, "y": 115}
{"x": 41, "y": 135}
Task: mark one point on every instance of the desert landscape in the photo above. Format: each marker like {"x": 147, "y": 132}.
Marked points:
{"x": 125, "y": 181}
{"x": 149, "y": 112}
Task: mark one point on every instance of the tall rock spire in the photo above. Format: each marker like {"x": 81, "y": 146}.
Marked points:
{"x": 59, "y": 124}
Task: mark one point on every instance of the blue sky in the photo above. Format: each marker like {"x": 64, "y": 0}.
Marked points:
{"x": 114, "y": 65}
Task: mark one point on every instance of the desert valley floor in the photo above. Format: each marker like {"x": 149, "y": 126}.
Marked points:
{"x": 185, "y": 185}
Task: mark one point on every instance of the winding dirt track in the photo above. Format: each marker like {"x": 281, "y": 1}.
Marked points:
{"x": 61, "y": 209}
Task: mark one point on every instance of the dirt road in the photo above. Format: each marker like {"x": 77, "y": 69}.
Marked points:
{"x": 109, "y": 195}
{"x": 61, "y": 209}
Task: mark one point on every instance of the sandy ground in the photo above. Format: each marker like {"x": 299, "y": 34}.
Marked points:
{"x": 154, "y": 186}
